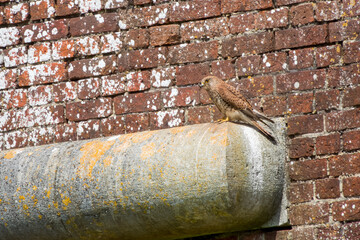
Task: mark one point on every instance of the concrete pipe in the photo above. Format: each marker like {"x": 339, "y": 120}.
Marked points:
{"x": 165, "y": 184}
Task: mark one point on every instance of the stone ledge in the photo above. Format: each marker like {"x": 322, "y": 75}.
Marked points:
{"x": 165, "y": 184}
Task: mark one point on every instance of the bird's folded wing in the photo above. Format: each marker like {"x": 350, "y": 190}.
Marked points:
{"x": 233, "y": 97}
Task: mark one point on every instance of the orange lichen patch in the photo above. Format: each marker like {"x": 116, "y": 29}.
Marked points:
{"x": 92, "y": 153}
{"x": 140, "y": 137}
{"x": 107, "y": 161}
{"x": 147, "y": 150}
{"x": 10, "y": 154}
{"x": 66, "y": 202}
{"x": 21, "y": 198}
{"x": 177, "y": 130}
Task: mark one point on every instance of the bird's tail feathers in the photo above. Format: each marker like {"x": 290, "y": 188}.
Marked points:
{"x": 262, "y": 117}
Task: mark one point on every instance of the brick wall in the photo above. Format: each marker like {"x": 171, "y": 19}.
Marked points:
{"x": 79, "y": 69}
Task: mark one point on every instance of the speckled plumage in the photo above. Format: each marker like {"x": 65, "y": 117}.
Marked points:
{"x": 233, "y": 104}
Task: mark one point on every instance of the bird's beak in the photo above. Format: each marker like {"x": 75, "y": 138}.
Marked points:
{"x": 201, "y": 85}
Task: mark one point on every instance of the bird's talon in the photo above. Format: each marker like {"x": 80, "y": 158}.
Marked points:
{"x": 222, "y": 120}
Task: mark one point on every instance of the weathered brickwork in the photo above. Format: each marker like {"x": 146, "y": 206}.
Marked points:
{"x": 80, "y": 69}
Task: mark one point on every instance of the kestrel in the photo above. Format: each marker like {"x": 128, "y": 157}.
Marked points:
{"x": 233, "y": 104}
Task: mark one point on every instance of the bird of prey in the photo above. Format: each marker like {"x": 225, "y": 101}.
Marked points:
{"x": 233, "y": 104}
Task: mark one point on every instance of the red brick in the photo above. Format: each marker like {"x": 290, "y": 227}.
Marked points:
{"x": 181, "y": 97}
{"x": 204, "y": 97}
{"x": 303, "y": 233}
{"x": 163, "y": 35}
{"x": 248, "y": 44}
{"x": 300, "y": 103}
{"x": 16, "y": 13}
{"x": 344, "y": 30}
{"x": 8, "y": 78}
{"x": 42, "y": 9}
{"x": 66, "y": 7}
{"x": 242, "y": 23}
{"x": 13, "y": 98}
{"x": 137, "y": 102}
{"x": 328, "y": 55}
{"x": 9, "y": 119}
{"x": 163, "y": 77}
{"x": 351, "y": 52}
{"x": 166, "y": 119}
{"x": 274, "y": 62}
{"x": 193, "y": 52}
{"x": 137, "y": 38}
{"x": 88, "y": 88}
{"x": 123, "y": 61}
{"x": 300, "y": 37}
{"x": 331, "y": 232}
{"x": 63, "y": 49}
{"x": 196, "y": 9}
{"x": 208, "y": 28}
{"x": 351, "y": 140}
{"x": 65, "y": 91}
{"x": 272, "y": 19}
{"x": 274, "y": 106}
{"x": 147, "y": 58}
{"x": 92, "y": 67}
{"x": 307, "y": 170}
{"x": 65, "y": 132}
{"x": 88, "y": 129}
{"x": 39, "y": 52}
{"x": 352, "y": 230}
{"x": 9, "y": 36}
{"x": 87, "y": 46}
{"x": 41, "y": 74}
{"x": 106, "y": 22}
{"x": 15, "y": 56}
{"x": 302, "y": 14}
{"x": 2, "y": 17}
{"x": 328, "y": 144}
{"x": 138, "y": 81}
{"x": 40, "y": 95}
{"x": 199, "y": 115}
{"x": 110, "y": 4}
{"x": 223, "y": 69}
{"x": 351, "y": 8}
{"x": 303, "y": 80}
{"x": 15, "y": 139}
{"x": 43, "y": 115}
{"x": 301, "y": 58}
{"x": 141, "y": 2}
{"x": 112, "y": 85}
{"x": 341, "y": 120}
{"x": 351, "y": 97}
{"x": 305, "y": 124}
{"x": 327, "y": 11}
{"x": 301, "y": 147}
{"x": 327, "y": 188}
{"x": 346, "y": 210}
{"x": 248, "y": 65}
{"x": 229, "y": 6}
{"x": 300, "y": 192}
{"x": 326, "y": 100}
{"x": 343, "y": 76}
{"x": 113, "y": 125}
{"x": 111, "y": 42}
{"x": 137, "y": 122}
{"x": 41, "y": 135}
{"x": 190, "y": 74}
{"x": 89, "y": 6}
{"x": 144, "y": 16}
{"x": 344, "y": 164}
{"x": 78, "y": 111}
{"x": 309, "y": 214}
{"x": 44, "y": 31}
{"x": 257, "y": 86}
{"x": 351, "y": 186}
{"x": 288, "y": 2}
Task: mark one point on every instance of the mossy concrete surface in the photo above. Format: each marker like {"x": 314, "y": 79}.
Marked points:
{"x": 164, "y": 184}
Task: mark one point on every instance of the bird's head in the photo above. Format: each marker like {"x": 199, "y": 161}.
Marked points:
{"x": 208, "y": 82}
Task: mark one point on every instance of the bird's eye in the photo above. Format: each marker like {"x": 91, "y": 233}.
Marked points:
{"x": 206, "y": 80}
